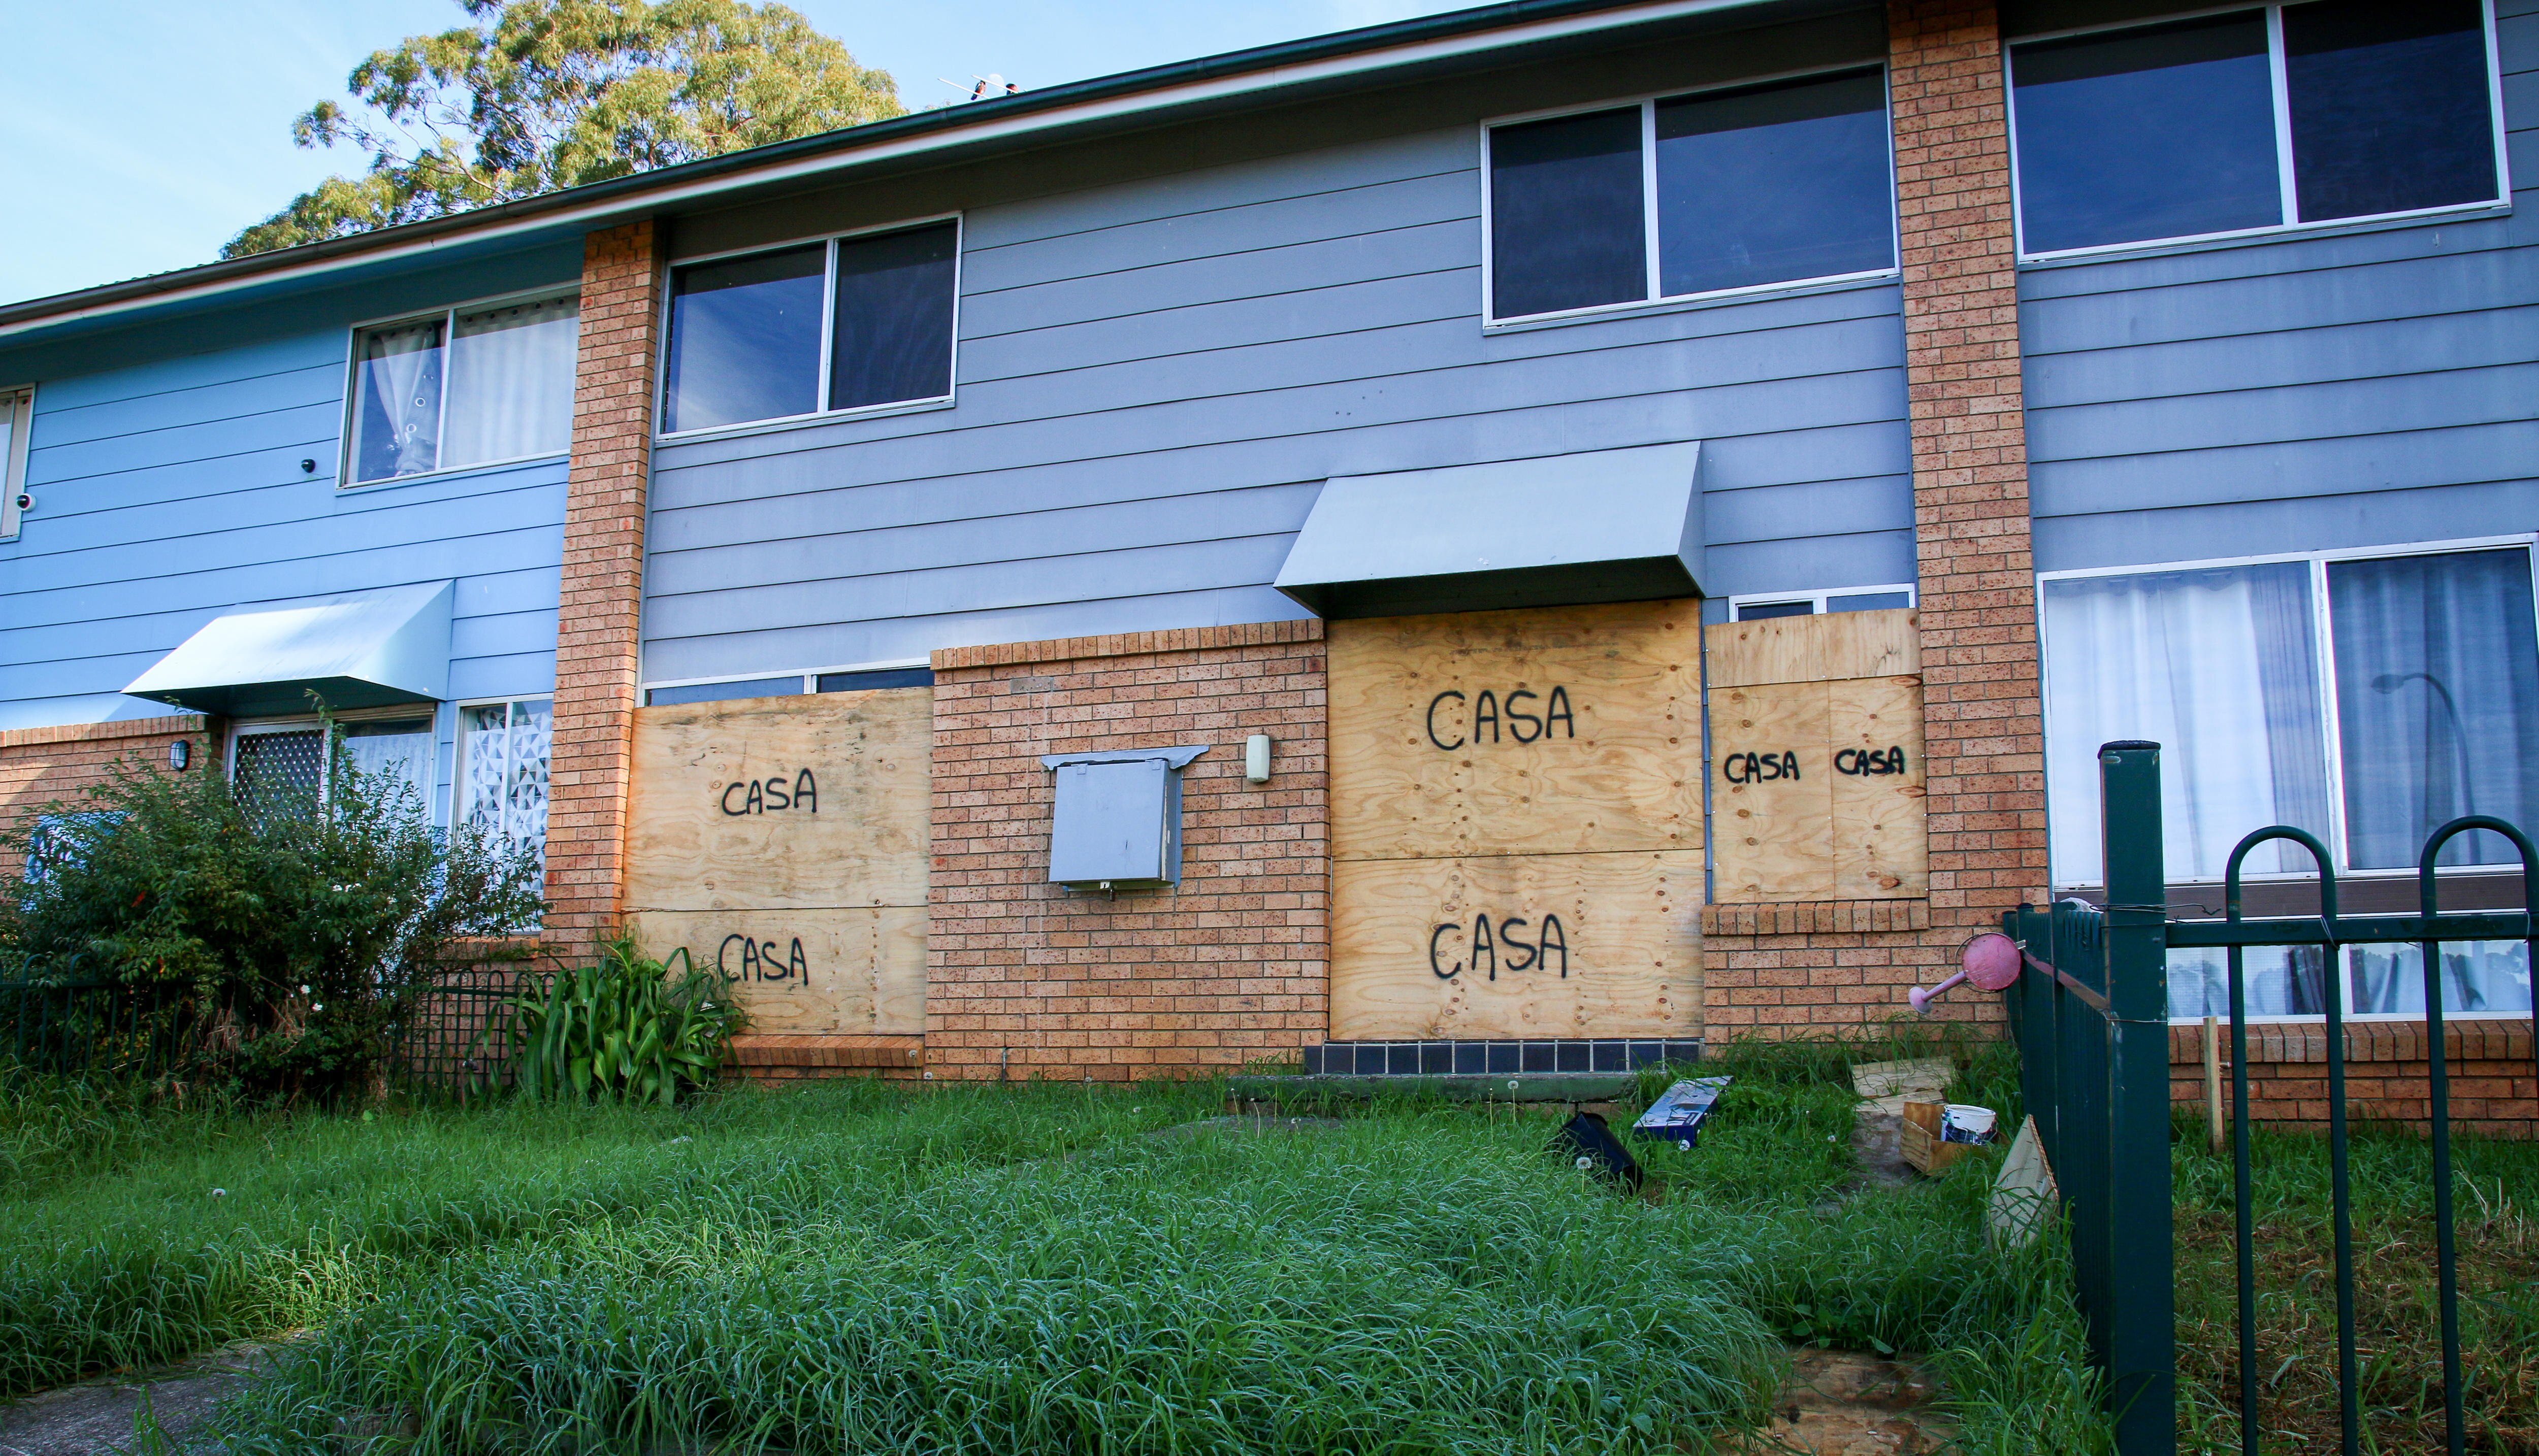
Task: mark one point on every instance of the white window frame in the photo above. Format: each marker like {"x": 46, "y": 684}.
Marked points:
{"x": 449, "y": 319}
{"x": 19, "y": 401}
{"x": 828, "y": 243}
{"x": 1817, "y": 599}
{"x": 1654, "y": 300}
{"x": 2324, "y": 644}
{"x": 459, "y": 757}
{"x": 2286, "y": 177}
{"x": 307, "y": 722}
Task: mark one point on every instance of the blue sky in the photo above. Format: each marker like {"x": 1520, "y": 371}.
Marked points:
{"x": 139, "y": 135}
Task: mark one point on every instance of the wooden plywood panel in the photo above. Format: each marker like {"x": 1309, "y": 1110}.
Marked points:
{"x": 1542, "y": 731}
{"x": 1880, "y": 834}
{"x": 1405, "y": 934}
{"x": 1821, "y": 648}
{"x": 797, "y": 971}
{"x": 1775, "y": 792}
{"x": 782, "y": 801}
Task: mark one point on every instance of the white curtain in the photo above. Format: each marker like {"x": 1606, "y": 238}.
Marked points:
{"x": 2477, "y": 976}
{"x": 2438, "y": 702}
{"x": 511, "y": 382}
{"x": 397, "y": 428}
{"x": 2220, "y": 668}
{"x": 2281, "y": 981}
{"x": 401, "y": 750}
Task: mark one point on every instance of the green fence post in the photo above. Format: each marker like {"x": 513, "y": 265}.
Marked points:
{"x": 2141, "y": 1337}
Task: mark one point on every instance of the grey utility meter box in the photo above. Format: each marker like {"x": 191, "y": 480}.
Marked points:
{"x": 1118, "y": 823}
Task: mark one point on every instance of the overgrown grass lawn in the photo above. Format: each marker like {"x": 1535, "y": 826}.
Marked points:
{"x": 856, "y": 1267}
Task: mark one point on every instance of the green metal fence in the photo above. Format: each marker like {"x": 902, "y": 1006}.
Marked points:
{"x": 2091, "y": 1015}
{"x": 455, "y": 1040}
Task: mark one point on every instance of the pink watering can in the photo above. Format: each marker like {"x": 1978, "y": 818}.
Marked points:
{"x": 1990, "y": 960}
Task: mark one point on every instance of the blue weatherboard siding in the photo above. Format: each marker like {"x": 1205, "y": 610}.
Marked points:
{"x": 1156, "y": 374}
{"x": 164, "y": 463}
{"x": 2376, "y": 387}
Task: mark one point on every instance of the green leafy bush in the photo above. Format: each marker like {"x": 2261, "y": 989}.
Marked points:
{"x": 294, "y": 930}
{"x": 621, "y": 1028}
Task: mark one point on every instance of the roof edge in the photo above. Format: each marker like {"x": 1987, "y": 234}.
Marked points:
{"x": 1266, "y": 68}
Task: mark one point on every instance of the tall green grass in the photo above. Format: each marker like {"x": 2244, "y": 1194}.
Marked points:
{"x": 854, "y": 1267}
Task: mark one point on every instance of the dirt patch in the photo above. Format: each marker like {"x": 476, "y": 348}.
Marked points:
{"x": 1842, "y": 1403}
{"x": 97, "y": 1415}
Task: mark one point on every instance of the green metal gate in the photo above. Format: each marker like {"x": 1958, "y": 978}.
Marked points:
{"x": 2090, "y": 1016}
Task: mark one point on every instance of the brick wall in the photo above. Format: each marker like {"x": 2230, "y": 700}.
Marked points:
{"x": 2493, "y": 1084}
{"x": 601, "y": 613}
{"x": 1231, "y": 967}
{"x": 39, "y": 765}
{"x": 1781, "y": 969}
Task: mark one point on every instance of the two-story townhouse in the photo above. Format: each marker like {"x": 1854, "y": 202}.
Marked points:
{"x": 1518, "y": 539}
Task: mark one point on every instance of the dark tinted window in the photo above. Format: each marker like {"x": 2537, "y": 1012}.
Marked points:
{"x": 1566, "y": 226}
{"x": 876, "y": 677}
{"x": 1774, "y": 183}
{"x": 894, "y": 319}
{"x": 785, "y": 686}
{"x": 1759, "y": 611}
{"x": 744, "y": 338}
{"x": 2389, "y": 105}
{"x": 2166, "y": 131}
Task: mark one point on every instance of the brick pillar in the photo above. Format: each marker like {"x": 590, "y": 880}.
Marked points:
{"x": 598, "y": 623}
{"x": 1982, "y": 715}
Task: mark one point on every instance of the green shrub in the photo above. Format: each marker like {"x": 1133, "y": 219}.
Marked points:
{"x": 620, "y": 1028}
{"x": 290, "y": 932}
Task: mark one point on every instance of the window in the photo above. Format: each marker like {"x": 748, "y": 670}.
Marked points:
{"x": 16, "y": 412}
{"x": 2368, "y": 699}
{"x": 851, "y": 323}
{"x": 1680, "y": 196}
{"x": 2261, "y": 118}
{"x": 1761, "y": 605}
{"x": 277, "y": 764}
{"x": 470, "y": 387}
{"x": 863, "y": 679}
{"x": 501, "y": 779}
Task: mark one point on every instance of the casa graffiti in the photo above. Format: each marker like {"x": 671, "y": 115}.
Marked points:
{"x": 772, "y": 795}
{"x": 1469, "y": 718}
{"x": 763, "y": 960}
{"x": 1759, "y": 767}
{"x": 1490, "y": 945}
{"x": 1869, "y": 762}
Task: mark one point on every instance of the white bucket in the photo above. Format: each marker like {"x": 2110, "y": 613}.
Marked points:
{"x": 1966, "y": 1123}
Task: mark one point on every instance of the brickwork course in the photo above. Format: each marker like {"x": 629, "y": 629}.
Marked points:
{"x": 1232, "y": 966}
{"x": 46, "y": 765}
{"x": 2388, "y": 1073}
{"x": 1789, "y": 969}
{"x": 599, "y": 619}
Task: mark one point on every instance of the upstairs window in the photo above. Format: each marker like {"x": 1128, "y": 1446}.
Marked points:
{"x": 851, "y": 323}
{"x": 475, "y": 385}
{"x": 17, "y": 409}
{"x": 1677, "y": 197}
{"x": 2256, "y": 119}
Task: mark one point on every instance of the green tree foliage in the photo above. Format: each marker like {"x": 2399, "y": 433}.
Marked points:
{"x": 294, "y": 932}
{"x": 620, "y": 1028}
{"x": 547, "y": 93}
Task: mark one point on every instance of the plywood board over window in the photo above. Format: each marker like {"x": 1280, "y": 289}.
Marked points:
{"x": 1516, "y": 804}
{"x": 784, "y": 840}
{"x": 1816, "y": 743}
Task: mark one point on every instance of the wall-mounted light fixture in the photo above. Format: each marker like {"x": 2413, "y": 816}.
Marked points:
{"x": 180, "y": 753}
{"x": 1256, "y": 758}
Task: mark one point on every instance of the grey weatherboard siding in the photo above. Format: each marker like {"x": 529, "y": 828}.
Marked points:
{"x": 2372, "y": 387}
{"x": 1157, "y": 375}
{"x": 168, "y": 492}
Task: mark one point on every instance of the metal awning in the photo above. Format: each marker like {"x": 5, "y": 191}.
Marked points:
{"x": 1562, "y": 530}
{"x": 358, "y": 649}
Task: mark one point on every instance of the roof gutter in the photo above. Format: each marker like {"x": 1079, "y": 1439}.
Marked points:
{"x": 1009, "y": 119}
